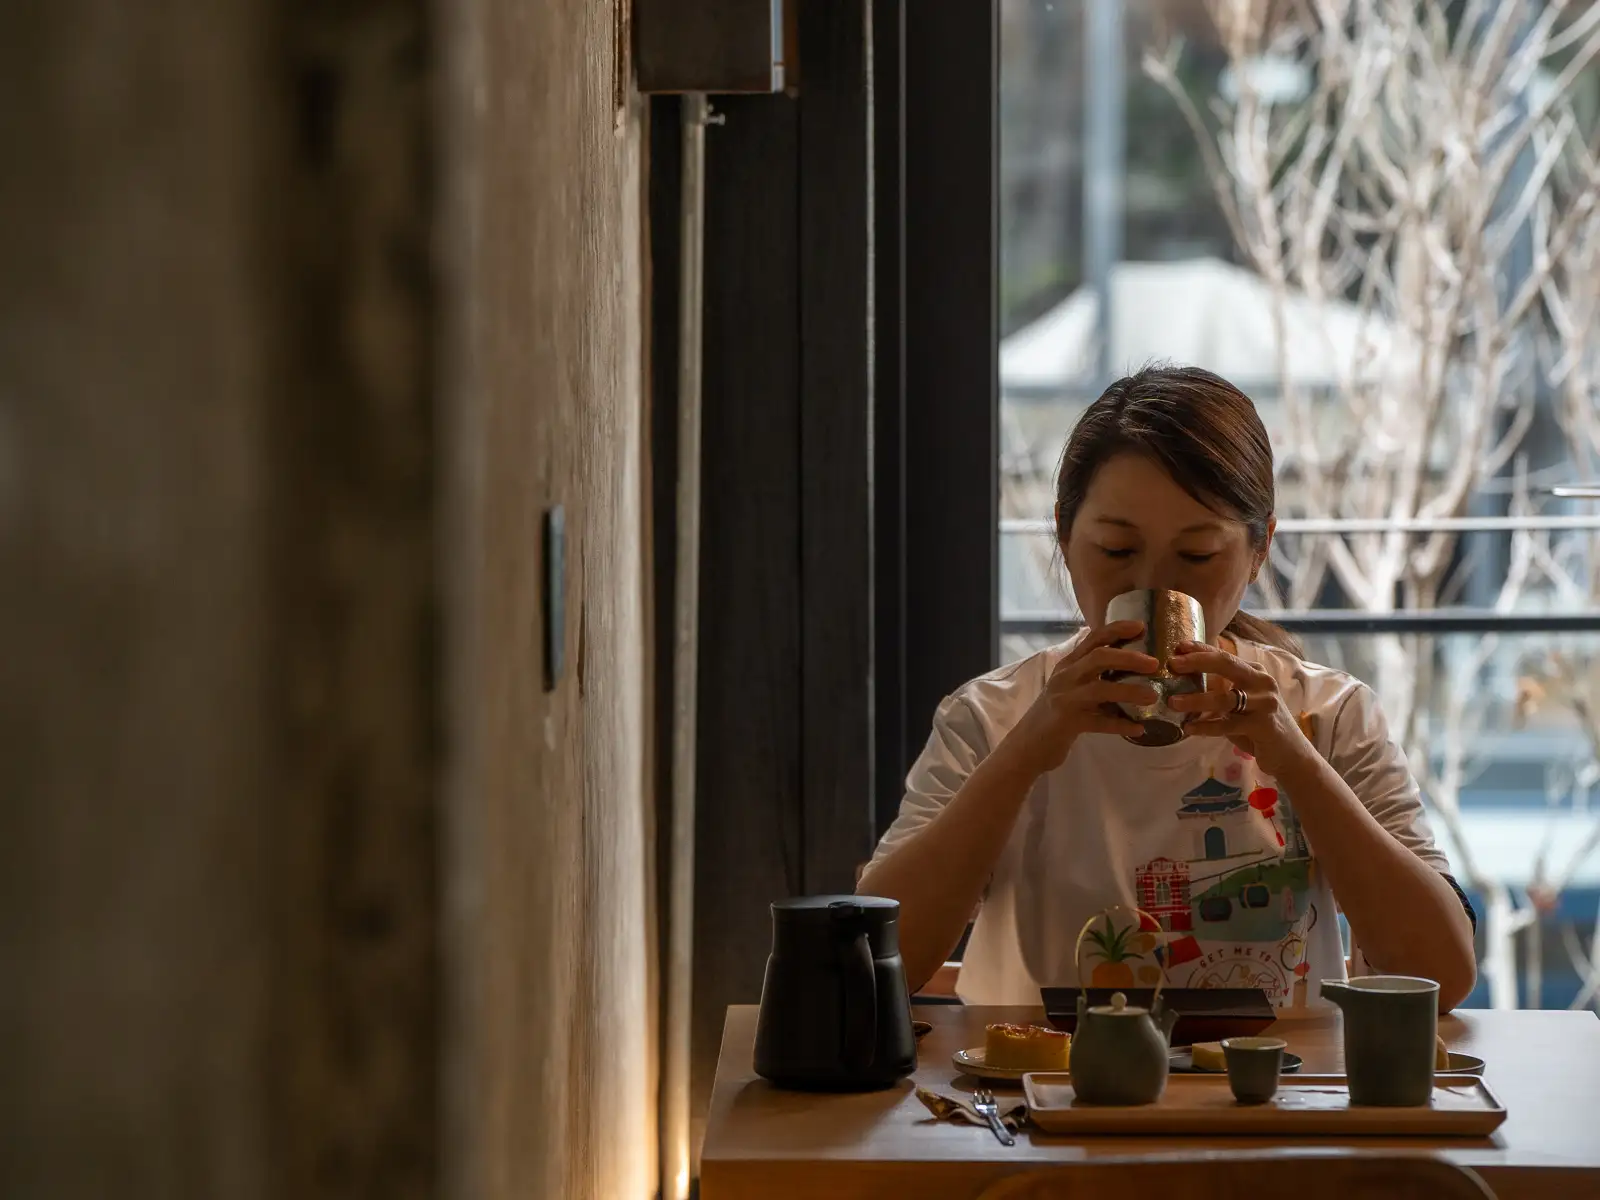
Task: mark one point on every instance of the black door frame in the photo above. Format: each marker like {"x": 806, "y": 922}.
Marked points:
{"x": 936, "y": 571}
{"x": 784, "y": 791}
{"x": 849, "y": 495}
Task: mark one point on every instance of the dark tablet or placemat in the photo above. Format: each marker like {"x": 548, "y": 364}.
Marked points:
{"x": 1204, "y": 1014}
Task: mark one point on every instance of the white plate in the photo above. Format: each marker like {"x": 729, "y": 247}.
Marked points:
{"x": 971, "y": 1062}
{"x": 1462, "y": 1064}
{"x": 1183, "y": 1063}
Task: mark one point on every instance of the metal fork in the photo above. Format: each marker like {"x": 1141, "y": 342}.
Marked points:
{"x": 983, "y": 1103}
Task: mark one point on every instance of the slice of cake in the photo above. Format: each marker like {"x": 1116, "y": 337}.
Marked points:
{"x": 1208, "y": 1056}
{"x": 1026, "y": 1048}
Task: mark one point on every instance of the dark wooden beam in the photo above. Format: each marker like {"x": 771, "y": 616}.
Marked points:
{"x": 785, "y": 749}
{"x": 890, "y": 749}
{"x": 951, "y": 330}
{"x": 353, "y": 636}
{"x": 748, "y": 848}
{"x": 835, "y": 447}
{"x": 663, "y": 272}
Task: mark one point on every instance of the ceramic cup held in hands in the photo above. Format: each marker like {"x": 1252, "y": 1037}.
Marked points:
{"x": 1169, "y": 619}
{"x": 1254, "y": 1064}
{"x": 1390, "y": 1026}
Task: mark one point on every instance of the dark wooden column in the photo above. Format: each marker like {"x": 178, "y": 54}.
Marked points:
{"x": 353, "y": 646}
{"x": 218, "y": 694}
{"x": 951, "y": 485}
{"x": 835, "y": 460}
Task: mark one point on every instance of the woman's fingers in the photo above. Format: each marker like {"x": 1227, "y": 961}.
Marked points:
{"x": 1208, "y": 660}
{"x": 1194, "y": 659}
{"x": 1110, "y": 658}
{"x": 1104, "y": 722}
{"x": 1106, "y": 635}
{"x": 1106, "y": 691}
{"x": 1227, "y": 727}
{"x": 1211, "y": 703}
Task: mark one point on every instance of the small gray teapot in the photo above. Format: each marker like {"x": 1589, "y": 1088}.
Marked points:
{"x": 1120, "y": 1052}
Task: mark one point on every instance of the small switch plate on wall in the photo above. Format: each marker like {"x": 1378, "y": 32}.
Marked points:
{"x": 555, "y": 592}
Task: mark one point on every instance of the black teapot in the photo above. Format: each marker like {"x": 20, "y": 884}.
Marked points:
{"x": 835, "y": 1013}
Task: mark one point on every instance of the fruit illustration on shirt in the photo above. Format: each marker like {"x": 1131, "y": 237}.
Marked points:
{"x": 1113, "y": 947}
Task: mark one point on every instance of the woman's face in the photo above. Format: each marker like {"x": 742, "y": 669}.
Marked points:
{"x": 1138, "y": 529}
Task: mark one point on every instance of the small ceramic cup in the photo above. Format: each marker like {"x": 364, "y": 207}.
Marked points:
{"x": 1254, "y": 1064}
{"x": 1169, "y": 620}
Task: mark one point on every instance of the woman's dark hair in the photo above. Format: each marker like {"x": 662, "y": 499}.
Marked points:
{"x": 1206, "y": 434}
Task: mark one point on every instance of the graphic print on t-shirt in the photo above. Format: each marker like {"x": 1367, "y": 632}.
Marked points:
{"x": 1123, "y": 955}
{"x": 1233, "y": 895}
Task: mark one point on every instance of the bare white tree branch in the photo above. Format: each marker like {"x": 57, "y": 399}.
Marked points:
{"x": 1379, "y": 204}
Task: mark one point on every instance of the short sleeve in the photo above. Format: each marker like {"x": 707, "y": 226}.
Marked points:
{"x": 1367, "y": 757}
{"x": 956, "y": 746}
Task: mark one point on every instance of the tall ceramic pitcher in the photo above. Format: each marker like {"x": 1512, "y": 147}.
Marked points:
{"x": 1390, "y": 1023}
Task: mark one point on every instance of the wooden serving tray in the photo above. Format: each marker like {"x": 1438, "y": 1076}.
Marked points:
{"x": 1462, "y": 1106}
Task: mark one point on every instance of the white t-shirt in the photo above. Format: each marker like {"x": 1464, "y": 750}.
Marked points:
{"x": 1194, "y": 834}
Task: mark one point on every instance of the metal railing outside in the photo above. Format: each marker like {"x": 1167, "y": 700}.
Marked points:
{"x": 1357, "y": 525}
{"x": 1340, "y": 621}
{"x": 1361, "y": 621}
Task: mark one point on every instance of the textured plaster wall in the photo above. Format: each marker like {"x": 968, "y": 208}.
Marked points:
{"x": 307, "y": 311}
{"x": 134, "y": 922}
{"x": 553, "y": 1086}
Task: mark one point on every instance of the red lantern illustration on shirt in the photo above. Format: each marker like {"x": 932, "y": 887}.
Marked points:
{"x": 1265, "y": 801}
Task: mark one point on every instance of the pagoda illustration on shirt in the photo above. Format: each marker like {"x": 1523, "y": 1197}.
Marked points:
{"x": 1232, "y": 895}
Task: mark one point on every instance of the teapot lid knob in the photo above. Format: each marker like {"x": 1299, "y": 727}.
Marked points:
{"x": 1118, "y": 1002}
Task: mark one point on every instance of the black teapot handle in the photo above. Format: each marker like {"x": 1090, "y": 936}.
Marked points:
{"x": 859, "y": 987}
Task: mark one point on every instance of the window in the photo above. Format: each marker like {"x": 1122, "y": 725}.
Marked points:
{"x": 1425, "y": 377}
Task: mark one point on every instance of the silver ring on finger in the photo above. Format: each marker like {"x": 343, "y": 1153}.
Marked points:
{"x": 1241, "y": 700}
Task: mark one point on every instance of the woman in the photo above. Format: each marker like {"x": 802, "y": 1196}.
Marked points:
{"x": 1286, "y": 793}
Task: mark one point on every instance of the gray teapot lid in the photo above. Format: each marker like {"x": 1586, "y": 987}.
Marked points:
{"x": 1119, "y": 1007}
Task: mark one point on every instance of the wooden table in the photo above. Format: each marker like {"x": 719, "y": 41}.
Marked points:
{"x": 766, "y": 1143}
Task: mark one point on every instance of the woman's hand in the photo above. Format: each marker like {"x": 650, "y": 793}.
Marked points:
{"x": 1241, "y": 703}
{"x": 1076, "y": 700}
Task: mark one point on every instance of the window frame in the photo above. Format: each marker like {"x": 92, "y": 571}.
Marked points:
{"x": 937, "y": 527}
{"x": 937, "y": 341}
